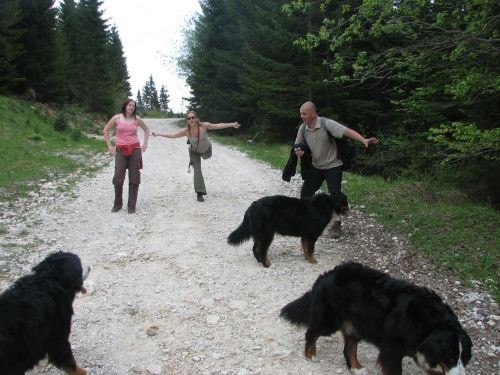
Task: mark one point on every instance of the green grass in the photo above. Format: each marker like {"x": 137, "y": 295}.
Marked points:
{"x": 441, "y": 223}
{"x": 32, "y": 150}
{"x": 275, "y": 154}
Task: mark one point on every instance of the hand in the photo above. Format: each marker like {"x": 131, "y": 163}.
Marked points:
{"x": 154, "y": 134}
{"x": 112, "y": 150}
{"x": 369, "y": 141}
{"x": 236, "y": 125}
{"x": 299, "y": 152}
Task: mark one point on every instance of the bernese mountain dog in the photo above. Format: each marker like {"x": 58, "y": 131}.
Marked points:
{"x": 399, "y": 318}
{"x": 35, "y": 316}
{"x": 305, "y": 218}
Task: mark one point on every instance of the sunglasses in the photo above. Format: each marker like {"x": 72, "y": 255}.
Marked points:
{"x": 190, "y": 118}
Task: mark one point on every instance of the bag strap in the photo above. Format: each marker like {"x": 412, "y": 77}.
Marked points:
{"x": 322, "y": 123}
{"x": 189, "y": 131}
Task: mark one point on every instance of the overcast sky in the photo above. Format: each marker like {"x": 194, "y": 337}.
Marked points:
{"x": 151, "y": 33}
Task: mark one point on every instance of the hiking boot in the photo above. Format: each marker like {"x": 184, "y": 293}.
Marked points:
{"x": 116, "y": 208}
{"x": 131, "y": 210}
{"x": 336, "y": 229}
{"x": 199, "y": 197}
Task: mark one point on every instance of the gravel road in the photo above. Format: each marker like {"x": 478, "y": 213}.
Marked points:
{"x": 168, "y": 295}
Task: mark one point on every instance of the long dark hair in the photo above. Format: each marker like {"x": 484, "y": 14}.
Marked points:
{"x": 124, "y": 107}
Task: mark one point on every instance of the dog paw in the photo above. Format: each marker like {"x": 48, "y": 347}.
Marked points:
{"x": 310, "y": 352}
{"x": 312, "y": 259}
{"x": 359, "y": 371}
{"x": 78, "y": 371}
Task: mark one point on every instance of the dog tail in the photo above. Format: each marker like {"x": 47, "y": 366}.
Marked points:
{"x": 297, "y": 312}
{"x": 240, "y": 234}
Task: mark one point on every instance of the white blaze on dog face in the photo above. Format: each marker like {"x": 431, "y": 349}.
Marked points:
{"x": 458, "y": 369}
{"x": 422, "y": 362}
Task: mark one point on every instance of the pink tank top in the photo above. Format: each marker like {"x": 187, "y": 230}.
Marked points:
{"x": 126, "y": 132}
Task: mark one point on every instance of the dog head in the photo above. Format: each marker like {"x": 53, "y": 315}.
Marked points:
{"x": 340, "y": 204}
{"x": 337, "y": 201}
{"x": 445, "y": 352}
{"x": 64, "y": 268}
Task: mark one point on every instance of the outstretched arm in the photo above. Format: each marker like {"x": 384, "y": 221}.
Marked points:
{"x": 145, "y": 128}
{"x": 358, "y": 137}
{"x": 177, "y": 134}
{"x": 222, "y": 125}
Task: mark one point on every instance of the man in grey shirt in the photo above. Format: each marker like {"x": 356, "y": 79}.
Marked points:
{"x": 325, "y": 163}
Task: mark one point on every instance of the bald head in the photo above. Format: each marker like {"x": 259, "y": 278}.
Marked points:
{"x": 308, "y": 114}
{"x": 308, "y": 106}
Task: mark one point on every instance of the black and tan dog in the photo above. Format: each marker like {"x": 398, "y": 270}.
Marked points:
{"x": 35, "y": 316}
{"x": 400, "y": 318}
{"x": 304, "y": 218}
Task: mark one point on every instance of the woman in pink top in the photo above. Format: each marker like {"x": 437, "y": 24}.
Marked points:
{"x": 127, "y": 152}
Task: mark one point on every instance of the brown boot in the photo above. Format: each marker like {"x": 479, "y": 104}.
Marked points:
{"x": 118, "y": 204}
{"x": 133, "y": 190}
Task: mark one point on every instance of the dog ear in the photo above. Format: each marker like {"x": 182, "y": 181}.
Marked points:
{"x": 339, "y": 201}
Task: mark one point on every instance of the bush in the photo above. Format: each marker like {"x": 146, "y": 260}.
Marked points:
{"x": 61, "y": 123}
{"x": 76, "y": 134}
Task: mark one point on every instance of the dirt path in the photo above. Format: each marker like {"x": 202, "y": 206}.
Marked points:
{"x": 167, "y": 295}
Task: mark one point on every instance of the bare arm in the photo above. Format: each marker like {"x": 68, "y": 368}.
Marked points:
{"x": 222, "y": 125}
{"x": 358, "y": 137}
{"x": 111, "y": 124}
{"x": 145, "y": 128}
{"x": 177, "y": 134}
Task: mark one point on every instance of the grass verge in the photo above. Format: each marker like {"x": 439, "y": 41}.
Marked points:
{"x": 32, "y": 150}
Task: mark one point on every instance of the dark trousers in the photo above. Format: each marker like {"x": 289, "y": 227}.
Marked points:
{"x": 315, "y": 177}
{"x": 133, "y": 164}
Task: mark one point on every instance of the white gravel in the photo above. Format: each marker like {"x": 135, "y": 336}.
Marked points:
{"x": 168, "y": 295}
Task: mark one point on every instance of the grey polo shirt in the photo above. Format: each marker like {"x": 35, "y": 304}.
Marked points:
{"x": 324, "y": 153}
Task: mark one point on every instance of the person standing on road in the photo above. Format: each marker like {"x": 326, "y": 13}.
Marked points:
{"x": 325, "y": 163}
{"x": 199, "y": 146}
{"x": 127, "y": 152}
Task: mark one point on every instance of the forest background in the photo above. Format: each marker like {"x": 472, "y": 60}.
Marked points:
{"x": 421, "y": 75}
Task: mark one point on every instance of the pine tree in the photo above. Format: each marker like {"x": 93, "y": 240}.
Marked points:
{"x": 69, "y": 27}
{"x": 95, "y": 81}
{"x": 150, "y": 95}
{"x": 211, "y": 62}
{"x": 10, "y": 46}
{"x": 139, "y": 102}
{"x": 120, "y": 76}
{"x": 164, "y": 99}
{"x": 38, "y": 67}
